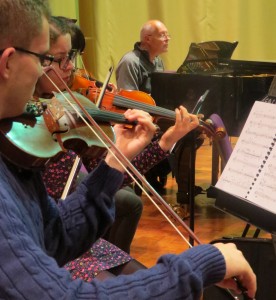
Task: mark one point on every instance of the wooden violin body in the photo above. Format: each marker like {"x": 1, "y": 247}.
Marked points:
{"x": 120, "y": 101}
{"x": 83, "y": 80}
{"x": 30, "y": 141}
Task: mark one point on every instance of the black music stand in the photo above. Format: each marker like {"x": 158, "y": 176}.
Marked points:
{"x": 246, "y": 211}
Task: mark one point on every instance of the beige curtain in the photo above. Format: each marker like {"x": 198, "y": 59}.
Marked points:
{"x": 67, "y": 8}
{"x": 112, "y": 27}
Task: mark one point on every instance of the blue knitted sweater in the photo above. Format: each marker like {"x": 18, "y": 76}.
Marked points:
{"x": 38, "y": 237}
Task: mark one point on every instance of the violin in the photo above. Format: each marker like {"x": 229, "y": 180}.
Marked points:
{"x": 83, "y": 80}
{"x": 41, "y": 134}
{"x": 119, "y": 101}
{"x": 124, "y": 99}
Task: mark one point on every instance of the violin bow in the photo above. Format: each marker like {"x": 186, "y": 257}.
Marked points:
{"x": 103, "y": 88}
{"x": 71, "y": 177}
{"x": 126, "y": 164}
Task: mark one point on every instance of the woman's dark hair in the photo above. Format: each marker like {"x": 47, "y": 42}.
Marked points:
{"x": 58, "y": 27}
{"x": 78, "y": 39}
{"x": 77, "y": 36}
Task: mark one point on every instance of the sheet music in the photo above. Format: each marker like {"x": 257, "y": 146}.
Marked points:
{"x": 250, "y": 172}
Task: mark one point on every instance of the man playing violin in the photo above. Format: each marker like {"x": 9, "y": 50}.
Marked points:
{"x": 38, "y": 236}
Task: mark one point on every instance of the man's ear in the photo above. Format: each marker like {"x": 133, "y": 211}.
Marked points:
{"x": 4, "y": 62}
{"x": 147, "y": 38}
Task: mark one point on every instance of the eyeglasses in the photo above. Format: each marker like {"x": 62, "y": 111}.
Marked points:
{"x": 64, "y": 61}
{"x": 44, "y": 59}
{"x": 162, "y": 36}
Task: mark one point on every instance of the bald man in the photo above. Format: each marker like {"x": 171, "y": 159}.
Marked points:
{"x": 133, "y": 73}
{"x": 134, "y": 69}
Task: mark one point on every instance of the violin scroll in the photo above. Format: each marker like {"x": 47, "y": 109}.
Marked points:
{"x": 212, "y": 131}
{"x": 220, "y": 132}
{"x": 84, "y": 83}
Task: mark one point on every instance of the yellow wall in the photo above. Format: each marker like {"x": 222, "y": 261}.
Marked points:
{"x": 112, "y": 27}
{"x": 68, "y": 8}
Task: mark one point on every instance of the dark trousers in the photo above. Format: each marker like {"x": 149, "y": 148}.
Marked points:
{"x": 128, "y": 210}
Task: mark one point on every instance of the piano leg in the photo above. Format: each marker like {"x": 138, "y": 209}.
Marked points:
{"x": 183, "y": 166}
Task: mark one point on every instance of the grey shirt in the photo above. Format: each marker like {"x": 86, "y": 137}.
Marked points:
{"x": 134, "y": 70}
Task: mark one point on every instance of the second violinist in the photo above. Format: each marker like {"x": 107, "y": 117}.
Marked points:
{"x": 128, "y": 206}
{"x": 57, "y": 172}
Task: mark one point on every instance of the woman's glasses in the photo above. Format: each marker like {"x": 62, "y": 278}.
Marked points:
{"x": 64, "y": 61}
{"x": 161, "y": 36}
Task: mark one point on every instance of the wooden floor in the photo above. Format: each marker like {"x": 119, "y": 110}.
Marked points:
{"x": 155, "y": 236}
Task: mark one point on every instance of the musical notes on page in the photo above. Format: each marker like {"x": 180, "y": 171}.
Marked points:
{"x": 265, "y": 190}
{"x": 250, "y": 172}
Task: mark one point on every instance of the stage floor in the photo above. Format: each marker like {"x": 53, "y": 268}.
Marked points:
{"x": 155, "y": 236}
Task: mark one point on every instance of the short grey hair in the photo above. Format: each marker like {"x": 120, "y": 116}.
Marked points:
{"x": 149, "y": 28}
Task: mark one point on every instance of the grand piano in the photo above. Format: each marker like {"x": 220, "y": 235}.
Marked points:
{"x": 234, "y": 85}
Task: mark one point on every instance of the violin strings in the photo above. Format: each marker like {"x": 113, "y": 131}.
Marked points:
{"x": 133, "y": 169}
{"x": 160, "y": 111}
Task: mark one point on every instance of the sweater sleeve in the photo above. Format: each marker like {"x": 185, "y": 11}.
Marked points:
{"x": 84, "y": 216}
{"x": 28, "y": 272}
{"x": 173, "y": 277}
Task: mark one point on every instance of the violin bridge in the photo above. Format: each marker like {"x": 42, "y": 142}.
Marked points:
{"x": 52, "y": 115}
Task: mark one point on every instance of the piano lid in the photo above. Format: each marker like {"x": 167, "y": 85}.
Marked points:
{"x": 214, "y": 58}
{"x": 204, "y": 57}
